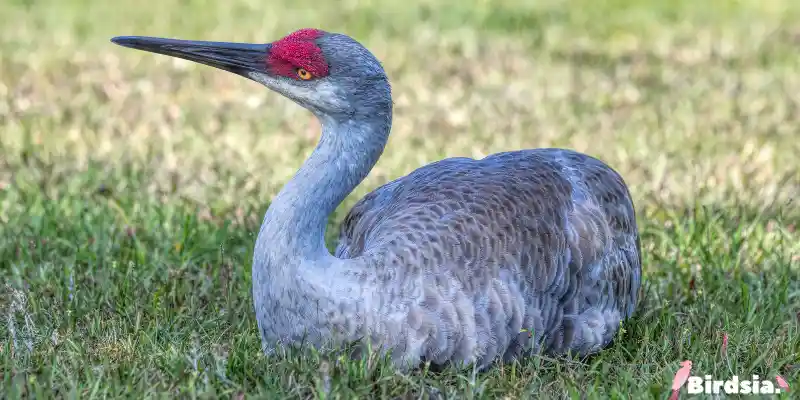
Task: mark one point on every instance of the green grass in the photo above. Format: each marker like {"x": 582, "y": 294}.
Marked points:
{"x": 132, "y": 185}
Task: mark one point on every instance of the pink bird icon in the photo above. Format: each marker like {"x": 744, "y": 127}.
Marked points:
{"x": 680, "y": 378}
{"x": 782, "y": 383}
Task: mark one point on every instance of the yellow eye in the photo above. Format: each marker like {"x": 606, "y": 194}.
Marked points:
{"x": 303, "y": 74}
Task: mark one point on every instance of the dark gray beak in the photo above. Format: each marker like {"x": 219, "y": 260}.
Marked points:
{"x": 239, "y": 58}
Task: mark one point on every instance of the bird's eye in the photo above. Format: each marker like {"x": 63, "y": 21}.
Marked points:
{"x": 303, "y": 74}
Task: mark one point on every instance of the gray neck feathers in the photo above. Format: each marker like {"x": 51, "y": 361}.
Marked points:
{"x": 293, "y": 229}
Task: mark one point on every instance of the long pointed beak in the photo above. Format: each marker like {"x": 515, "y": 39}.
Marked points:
{"x": 238, "y": 58}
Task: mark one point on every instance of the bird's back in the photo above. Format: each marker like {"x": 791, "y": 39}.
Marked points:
{"x": 506, "y": 253}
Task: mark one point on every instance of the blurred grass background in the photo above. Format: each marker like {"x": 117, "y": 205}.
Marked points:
{"x": 132, "y": 184}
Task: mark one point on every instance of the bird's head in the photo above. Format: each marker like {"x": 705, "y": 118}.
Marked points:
{"x": 686, "y": 364}
{"x": 328, "y": 73}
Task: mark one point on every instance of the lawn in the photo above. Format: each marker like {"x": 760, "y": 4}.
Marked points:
{"x": 132, "y": 185}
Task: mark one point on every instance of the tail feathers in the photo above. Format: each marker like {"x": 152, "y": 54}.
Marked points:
{"x": 674, "y": 395}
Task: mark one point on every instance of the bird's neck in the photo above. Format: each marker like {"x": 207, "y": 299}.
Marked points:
{"x": 293, "y": 230}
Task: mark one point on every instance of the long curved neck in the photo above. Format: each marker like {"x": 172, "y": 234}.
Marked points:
{"x": 293, "y": 230}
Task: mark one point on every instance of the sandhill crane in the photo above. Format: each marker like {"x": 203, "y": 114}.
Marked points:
{"x": 461, "y": 262}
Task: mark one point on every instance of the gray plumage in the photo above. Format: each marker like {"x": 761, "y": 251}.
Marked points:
{"x": 462, "y": 261}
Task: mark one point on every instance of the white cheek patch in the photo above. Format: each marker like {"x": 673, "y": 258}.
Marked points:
{"x": 323, "y": 94}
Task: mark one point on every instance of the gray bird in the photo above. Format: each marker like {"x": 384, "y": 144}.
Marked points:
{"x": 461, "y": 262}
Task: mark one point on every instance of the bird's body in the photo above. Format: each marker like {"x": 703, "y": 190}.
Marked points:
{"x": 461, "y": 261}
{"x": 680, "y": 378}
{"x": 536, "y": 241}
{"x": 782, "y": 383}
